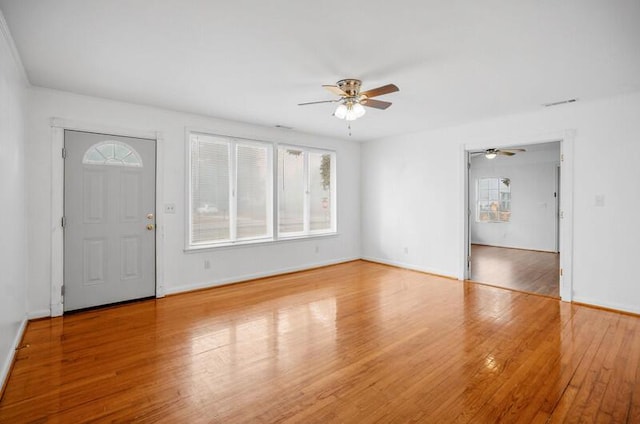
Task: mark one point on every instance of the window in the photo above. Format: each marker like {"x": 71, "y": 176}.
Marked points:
{"x": 306, "y": 191}
{"x": 230, "y": 190}
{"x": 114, "y": 153}
{"x": 236, "y": 196}
{"x": 493, "y": 199}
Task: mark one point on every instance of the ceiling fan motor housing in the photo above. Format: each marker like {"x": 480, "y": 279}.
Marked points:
{"x": 350, "y": 86}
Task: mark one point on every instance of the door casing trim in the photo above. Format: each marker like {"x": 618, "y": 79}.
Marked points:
{"x": 566, "y": 138}
{"x": 58, "y": 126}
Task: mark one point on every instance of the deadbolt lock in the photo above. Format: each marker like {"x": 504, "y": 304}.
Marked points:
{"x": 150, "y": 227}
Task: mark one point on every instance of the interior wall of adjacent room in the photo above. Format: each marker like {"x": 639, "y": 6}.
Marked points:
{"x": 13, "y": 248}
{"x": 532, "y": 175}
{"x": 182, "y": 270}
{"x": 412, "y": 194}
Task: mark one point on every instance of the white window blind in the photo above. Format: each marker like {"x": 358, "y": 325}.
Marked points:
{"x": 210, "y": 191}
{"x": 291, "y": 190}
{"x": 230, "y": 190}
{"x": 253, "y": 191}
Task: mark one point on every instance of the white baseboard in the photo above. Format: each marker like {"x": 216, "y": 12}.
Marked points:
{"x": 8, "y": 361}
{"x": 634, "y": 309}
{"x": 399, "y": 264}
{"x": 42, "y": 313}
{"x": 247, "y": 277}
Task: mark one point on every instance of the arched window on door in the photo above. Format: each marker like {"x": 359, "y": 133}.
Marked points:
{"x": 113, "y": 153}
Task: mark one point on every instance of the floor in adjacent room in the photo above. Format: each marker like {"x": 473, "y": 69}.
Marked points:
{"x": 517, "y": 269}
{"x": 355, "y": 343}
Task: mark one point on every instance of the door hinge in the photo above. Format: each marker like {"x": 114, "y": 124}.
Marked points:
{"x": 63, "y": 221}
{"x": 561, "y": 158}
{"x": 561, "y": 272}
{"x": 64, "y": 153}
{"x": 62, "y": 290}
{"x": 561, "y": 214}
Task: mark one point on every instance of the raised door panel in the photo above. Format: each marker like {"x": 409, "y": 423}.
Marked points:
{"x": 94, "y": 261}
{"x": 130, "y": 258}
{"x": 94, "y": 198}
{"x": 131, "y": 196}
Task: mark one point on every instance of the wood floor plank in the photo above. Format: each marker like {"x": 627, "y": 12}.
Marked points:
{"x": 355, "y": 343}
{"x": 518, "y": 269}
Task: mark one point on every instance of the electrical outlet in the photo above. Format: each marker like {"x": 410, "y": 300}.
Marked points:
{"x": 317, "y": 249}
{"x": 406, "y": 250}
{"x": 169, "y": 208}
{"x": 207, "y": 264}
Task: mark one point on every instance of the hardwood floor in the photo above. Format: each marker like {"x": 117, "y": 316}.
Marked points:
{"x": 518, "y": 269}
{"x": 351, "y": 343}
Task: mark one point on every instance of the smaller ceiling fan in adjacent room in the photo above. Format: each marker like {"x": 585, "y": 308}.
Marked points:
{"x": 351, "y": 100}
{"x": 492, "y": 153}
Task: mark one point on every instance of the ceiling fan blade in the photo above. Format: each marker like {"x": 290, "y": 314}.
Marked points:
{"x": 505, "y": 153}
{"x": 513, "y": 150}
{"x": 378, "y": 104}
{"x": 315, "y": 103}
{"x": 385, "y": 89}
{"x": 335, "y": 90}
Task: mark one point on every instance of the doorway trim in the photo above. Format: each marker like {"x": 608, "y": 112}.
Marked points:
{"x": 566, "y": 139}
{"x": 58, "y": 126}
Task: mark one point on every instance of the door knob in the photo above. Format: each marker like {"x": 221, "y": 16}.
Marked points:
{"x": 150, "y": 227}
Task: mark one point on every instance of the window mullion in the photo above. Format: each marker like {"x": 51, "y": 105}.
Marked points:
{"x": 307, "y": 194}
{"x": 233, "y": 184}
{"x": 271, "y": 201}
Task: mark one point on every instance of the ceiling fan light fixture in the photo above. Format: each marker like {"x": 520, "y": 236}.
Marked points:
{"x": 359, "y": 110}
{"x": 341, "y": 111}
{"x": 349, "y": 111}
{"x": 490, "y": 155}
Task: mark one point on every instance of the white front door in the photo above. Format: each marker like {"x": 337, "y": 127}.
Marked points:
{"x": 109, "y": 219}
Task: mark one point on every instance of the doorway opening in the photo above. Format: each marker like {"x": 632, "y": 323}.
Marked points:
{"x": 513, "y": 219}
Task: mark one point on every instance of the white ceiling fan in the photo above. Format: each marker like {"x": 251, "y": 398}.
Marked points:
{"x": 351, "y": 100}
{"x": 492, "y": 153}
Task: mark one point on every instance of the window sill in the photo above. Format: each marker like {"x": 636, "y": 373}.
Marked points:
{"x": 258, "y": 242}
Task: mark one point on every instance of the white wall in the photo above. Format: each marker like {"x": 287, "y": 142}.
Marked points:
{"x": 412, "y": 194}
{"x": 182, "y": 271}
{"x": 532, "y": 224}
{"x": 13, "y": 247}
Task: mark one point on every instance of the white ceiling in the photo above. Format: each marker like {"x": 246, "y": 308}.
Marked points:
{"x": 254, "y": 60}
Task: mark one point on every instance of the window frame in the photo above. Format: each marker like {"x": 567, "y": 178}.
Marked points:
{"x": 232, "y": 158}
{"x": 500, "y": 211}
{"x": 274, "y": 235}
{"x": 306, "y": 225}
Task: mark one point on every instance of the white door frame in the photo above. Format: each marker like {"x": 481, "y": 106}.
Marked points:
{"x": 57, "y": 201}
{"x": 566, "y": 139}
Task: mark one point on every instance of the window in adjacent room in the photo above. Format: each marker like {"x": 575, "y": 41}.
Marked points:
{"x": 493, "y": 199}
